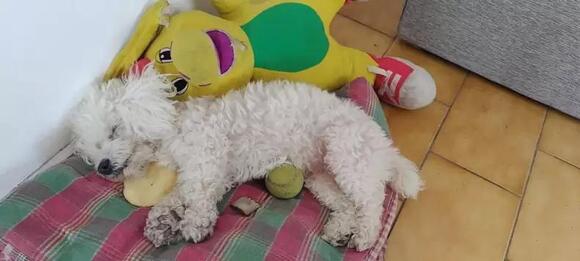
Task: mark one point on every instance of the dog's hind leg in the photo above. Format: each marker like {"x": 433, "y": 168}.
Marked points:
{"x": 357, "y": 157}
{"x": 341, "y": 222}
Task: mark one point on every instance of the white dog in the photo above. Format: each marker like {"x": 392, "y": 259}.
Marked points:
{"x": 216, "y": 144}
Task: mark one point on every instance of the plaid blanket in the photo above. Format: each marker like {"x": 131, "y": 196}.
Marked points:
{"x": 69, "y": 213}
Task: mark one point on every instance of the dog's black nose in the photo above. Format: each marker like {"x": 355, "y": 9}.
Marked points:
{"x": 105, "y": 167}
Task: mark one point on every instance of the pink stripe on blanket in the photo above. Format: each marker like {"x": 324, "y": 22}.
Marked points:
{"x": 139, "y": 249}
{"x": 228, "y": 224}
{"x": 307, "y": 252}
{"x": 389, "y": 210}
{"x": 389, "y": 214}
{"x": 292, "y": 239}
{"x": 359, "y": 93}
{"x": 124, "y": 237}
{"x": 32, "y": 235}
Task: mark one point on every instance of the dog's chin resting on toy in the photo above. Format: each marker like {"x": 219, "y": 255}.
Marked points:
{"x": 215, "y": 144}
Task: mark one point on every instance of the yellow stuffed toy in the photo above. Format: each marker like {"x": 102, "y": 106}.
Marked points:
{"x": 206, "y": 55}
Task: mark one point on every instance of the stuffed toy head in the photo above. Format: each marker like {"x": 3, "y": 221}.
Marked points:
{"x": 200, "y": 53}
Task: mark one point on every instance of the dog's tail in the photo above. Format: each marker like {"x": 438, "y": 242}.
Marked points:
{"x": 406, "y": 180}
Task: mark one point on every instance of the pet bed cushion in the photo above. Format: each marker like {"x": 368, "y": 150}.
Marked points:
{"x": 69, "y": 213}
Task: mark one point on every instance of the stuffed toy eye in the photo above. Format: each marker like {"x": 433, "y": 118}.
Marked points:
{"x": 165, "y": 55}
{"x": 180, "y": 85}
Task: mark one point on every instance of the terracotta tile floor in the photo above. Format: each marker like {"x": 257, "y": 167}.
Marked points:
{"x": 502, "y": 172}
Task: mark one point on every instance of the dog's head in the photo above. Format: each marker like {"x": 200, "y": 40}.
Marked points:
{"x": 116, "y": 116}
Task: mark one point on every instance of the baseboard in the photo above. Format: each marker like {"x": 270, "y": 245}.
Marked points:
{"x": 59, "y": 157}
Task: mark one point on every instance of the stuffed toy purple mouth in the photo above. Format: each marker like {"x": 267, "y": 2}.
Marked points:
{"x": 224, "y": 49}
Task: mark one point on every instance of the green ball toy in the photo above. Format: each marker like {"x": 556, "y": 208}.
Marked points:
{"x": 285, "y": 181}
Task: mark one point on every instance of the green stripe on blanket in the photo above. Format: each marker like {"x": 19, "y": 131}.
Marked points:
{"x": 16, "y": 207}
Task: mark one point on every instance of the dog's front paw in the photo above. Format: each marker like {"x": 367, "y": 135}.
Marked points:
{"x": 162, "y": 227}
{"x": 362, "y": 241}
{"x": 337, "y": 230}
{"x": 197, "y": 224}
{"x": 367, "y": 230}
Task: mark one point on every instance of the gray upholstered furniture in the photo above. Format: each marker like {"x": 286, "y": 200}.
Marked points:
{"x": 532, "y": 47}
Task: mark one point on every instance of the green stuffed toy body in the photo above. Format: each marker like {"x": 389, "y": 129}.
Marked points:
{"x": 206, "y": 55}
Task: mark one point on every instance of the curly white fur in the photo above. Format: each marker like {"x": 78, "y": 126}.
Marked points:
{"x": 216, "y": 144}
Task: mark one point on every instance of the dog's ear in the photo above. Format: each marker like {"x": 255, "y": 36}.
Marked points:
{"x": 90, "y": 119}
{"x": 143, "y": 104}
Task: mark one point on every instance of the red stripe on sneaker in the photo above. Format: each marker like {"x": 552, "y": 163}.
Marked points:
{"x": 395, "y": 90}
{"x": 390, "y": 80}
{"x": 398, "y": 87}
{"x": 399, "y": 73}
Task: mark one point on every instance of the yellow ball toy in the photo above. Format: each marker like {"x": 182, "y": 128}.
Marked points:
{"x": 149, "y": 189}
{"x": 285, "y": 181}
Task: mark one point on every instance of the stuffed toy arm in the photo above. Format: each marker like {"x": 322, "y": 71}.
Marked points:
{"x": 228, "y": 6}
{"x": 144, "y": 33}
{"x": 178, "y": 6}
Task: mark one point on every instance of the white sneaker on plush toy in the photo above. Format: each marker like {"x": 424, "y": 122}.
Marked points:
{"x": 401, "y": 83}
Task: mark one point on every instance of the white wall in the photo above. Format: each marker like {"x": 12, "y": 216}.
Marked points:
{"x": 50, "y": 51}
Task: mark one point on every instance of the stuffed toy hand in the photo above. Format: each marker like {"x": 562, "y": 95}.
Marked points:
{"x": 206, "y": 55}
{"x": 149, "y": 189}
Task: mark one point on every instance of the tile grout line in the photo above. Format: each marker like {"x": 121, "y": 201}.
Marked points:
{"x": 476, "y": 175}
{"x": 391, "y": 38}
{"x": 449, "y": 107}
{"x": 525, "y": 189}
{"x": 550, "y": 153}
{"x": 367, "y": 26}
{"x": 559, "y": 158}
{"x": 386, "y": 53}
{"x": 431, "y": 142}
{"x": 461, "y": 89}
{"x": 420, "y": 165}
{"x": 389, "y": 47}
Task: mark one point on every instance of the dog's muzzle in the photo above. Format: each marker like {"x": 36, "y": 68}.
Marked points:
{"x": 107, "y": 168}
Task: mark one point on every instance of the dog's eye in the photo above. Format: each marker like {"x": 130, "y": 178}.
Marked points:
{"x": 165, "y": 55}
{"x": 180, "y": 85}
{"x": 113, "y": 133}
{"x": 88, "y": 161}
